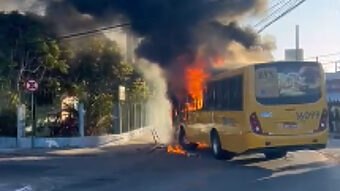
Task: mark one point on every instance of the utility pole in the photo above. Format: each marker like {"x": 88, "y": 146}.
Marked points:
{"x": 297, "y": 42}
{"x": 336, "y": 66}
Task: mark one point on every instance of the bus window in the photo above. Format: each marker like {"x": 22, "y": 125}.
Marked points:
{"x": 225, "y": 95}
{"x": 236, "y": 93}
{"x": 296, "y": 83}
{"x": 209, "y": 102}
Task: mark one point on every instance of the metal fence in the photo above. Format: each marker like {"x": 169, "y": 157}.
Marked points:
{"x": 129, "y": 116}
{"x": 17, "y": 122}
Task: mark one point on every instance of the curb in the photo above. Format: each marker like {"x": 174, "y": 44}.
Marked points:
{"x": 48, "y": 147}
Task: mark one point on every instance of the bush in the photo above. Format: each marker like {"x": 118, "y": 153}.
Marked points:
{"x": 99, "y": 115}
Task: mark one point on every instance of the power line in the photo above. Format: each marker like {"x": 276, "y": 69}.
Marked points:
{"x": 324, "y": 55}
{"x": 282, "y": 11}
{"x": 272, "y": 13}
{"x": 281, "y": 15}
{"x": 83, "y": 33}
{"x": 276, "y": 4}
{"x": 93, "y": 31}
{"x": 122, "y": 25}
{"x": 330, "y": 63}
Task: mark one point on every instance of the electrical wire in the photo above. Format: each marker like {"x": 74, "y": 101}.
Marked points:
{"x": 83, "y": 33}
{"x": 93, "y": 31}
{"x": 272, "y": 13}
{"x": 274, "y": 5}
{"x": 324, "y": 55}
{"x": 283, "y": 10}
{"x": 280, "y": 16}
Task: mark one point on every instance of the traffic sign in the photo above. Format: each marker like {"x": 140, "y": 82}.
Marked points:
{"x": 31, "y": 85}
{"x": 121, "y": 93}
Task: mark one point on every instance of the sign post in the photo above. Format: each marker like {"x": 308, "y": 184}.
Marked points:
{"x": 32, "y": 86}
{"x": 117, "y": 111}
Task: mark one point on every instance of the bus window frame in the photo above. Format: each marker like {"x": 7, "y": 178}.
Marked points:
{"x": 321, "y": 94}
{"x": 228, "y": 107}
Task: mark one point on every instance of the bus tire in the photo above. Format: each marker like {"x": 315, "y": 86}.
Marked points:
{"x": 185, "y": 144}
{"x": 216, "y": 148}
{"x": 275, "y": 155}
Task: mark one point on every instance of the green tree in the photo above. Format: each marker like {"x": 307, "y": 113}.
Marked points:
{"x": 26, "y": 51}
{"x": 96, "y": 70}
{"x": 91, "y": 68}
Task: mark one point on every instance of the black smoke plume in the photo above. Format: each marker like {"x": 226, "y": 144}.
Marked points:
{"x": 170, "y": 28}
{"x": 173, "y": 32}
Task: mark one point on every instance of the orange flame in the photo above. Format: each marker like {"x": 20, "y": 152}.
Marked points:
{"x": 176, "y": 149}
{"x": 202, "y": 146}
{"x": 195, "y": 78}
{"x": 218, "y": 62}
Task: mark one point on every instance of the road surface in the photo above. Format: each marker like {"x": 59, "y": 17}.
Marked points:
{"x": 138, "y": 167}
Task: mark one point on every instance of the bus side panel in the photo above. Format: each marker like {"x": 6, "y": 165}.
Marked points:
{"x": 229, "y": 125}
{"x": 232, "y": 125}
{"x": 199, "y": 125}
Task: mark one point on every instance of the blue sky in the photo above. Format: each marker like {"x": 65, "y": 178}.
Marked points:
{"x": 319, "y": 22}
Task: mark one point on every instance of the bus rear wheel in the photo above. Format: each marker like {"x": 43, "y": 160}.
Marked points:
{"x": 275, "y": 155}
{"x": 216, "y": 148}
{"x": 183, "y": 141}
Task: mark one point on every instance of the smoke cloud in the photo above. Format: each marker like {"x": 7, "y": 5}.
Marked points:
{"x": 171, "y": 29}
{"x": 158, "y": 105}
{"x": 237, "y": 55}
{"x": 36, "y": 6}
{"x": 174, "y": 32}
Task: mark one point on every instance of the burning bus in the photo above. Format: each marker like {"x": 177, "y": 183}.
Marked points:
{"x": 269, "y": 108}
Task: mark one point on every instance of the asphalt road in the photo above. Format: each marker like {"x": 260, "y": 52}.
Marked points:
{"x": 137, "y": 167}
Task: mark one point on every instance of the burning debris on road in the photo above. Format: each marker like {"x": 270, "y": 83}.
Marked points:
{"x": 176, "y": 149}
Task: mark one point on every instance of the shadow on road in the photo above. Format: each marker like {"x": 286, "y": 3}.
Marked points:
{"x": 146, "y": 167}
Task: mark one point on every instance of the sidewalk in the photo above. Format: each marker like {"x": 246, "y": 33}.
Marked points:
{"x": 68, "y": 142}
{"x": 334, "y": 135}
{"x": 129, "y": 139}
{"x": 333, "y": 143}
{"x": 5, "y": 153}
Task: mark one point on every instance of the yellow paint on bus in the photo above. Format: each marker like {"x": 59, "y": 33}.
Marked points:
{"x": 261, "y": 107}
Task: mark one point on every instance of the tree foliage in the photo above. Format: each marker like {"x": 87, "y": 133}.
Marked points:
{"x": 91, "y": 69}
{"x": 96, "y": 70}
{"x": 26, "y": 51}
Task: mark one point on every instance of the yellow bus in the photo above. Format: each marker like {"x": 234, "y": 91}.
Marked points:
{"x": 269, "y": 108}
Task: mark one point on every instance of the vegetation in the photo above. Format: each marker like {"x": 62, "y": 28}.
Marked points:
{"x": 90, "y": 69}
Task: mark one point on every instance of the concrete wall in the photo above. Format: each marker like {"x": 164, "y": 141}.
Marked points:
{"x": 8, "y": 142}
{"x": 68, "y": 142}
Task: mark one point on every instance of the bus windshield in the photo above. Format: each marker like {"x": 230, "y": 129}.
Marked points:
{"x": 292, "y": 83}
